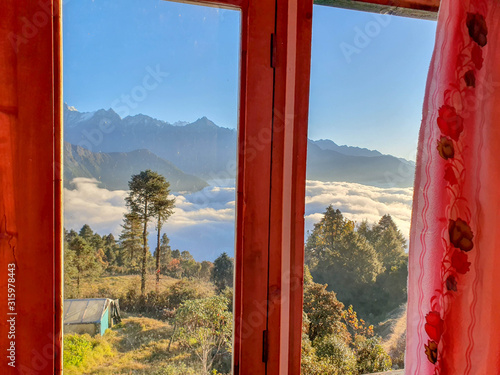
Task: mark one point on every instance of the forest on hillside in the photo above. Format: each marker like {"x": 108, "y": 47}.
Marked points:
{"x": 367, "y": 266}
{"x": 355, "y": 276}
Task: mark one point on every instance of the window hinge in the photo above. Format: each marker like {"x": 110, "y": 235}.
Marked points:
{"x": 265, "y": 347}
{"x": 273, "y": 51}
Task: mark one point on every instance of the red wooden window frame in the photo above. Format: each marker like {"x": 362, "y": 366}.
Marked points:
{"x": 426, "y": 5}
{"x": 426, "y": 9}
{"x": 274, "y": 94}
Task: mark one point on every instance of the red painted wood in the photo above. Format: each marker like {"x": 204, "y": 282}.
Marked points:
{"x": 430, "y": 5}
{"x": 269, "y": 220}
{"x": 238, "y": 271}
{"x": 58, "y": 188}
{"x": 301, "y": 110}
{"x": 293, "y": 31}
{"x": 26, "y": 175}
{"x": 44, "y": 149}
{"x": 32, "y": 188}
{"x": 252, "y": 228}
{"x": 278, "y": 293}
{"x": 8, "y": 115}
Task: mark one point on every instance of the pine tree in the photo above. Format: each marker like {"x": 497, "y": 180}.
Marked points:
{"x": 341, "y": 258}
{"x": 222, "y": 273}
{"x": 390, "y": 289}
{"x": 145, "y": 189}
{"x": 163, "y": 207}
{"x": 112, "y": 251}
{"x": 206, "y": 270}
{"x": 165, "y": 253}
{"x": 389, "y": 242}
{"x": 70, "y": 271}
{"x": 86, "y": 232}
{"x": 84, "y": 260}
{"x": 190, "y": 268}
{"x": 176, "y": 254}
{"x": 326, "y": 235}
{"x": 130, "y": 241}
{"x": 69, "y": 236}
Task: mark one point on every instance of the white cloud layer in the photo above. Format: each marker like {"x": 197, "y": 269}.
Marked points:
{"x": 203, "y": 222}
{"x": 359, "y": 202}
{"x": 89, "y": 204}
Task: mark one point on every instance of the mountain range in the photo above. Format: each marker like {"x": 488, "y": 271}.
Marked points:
{"x": 381, "y": 170}
{"x": 104, "y": 146}
{"x": 200, "y": 148}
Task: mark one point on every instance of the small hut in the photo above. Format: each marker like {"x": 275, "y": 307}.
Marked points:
{"x": 90, "y": 315}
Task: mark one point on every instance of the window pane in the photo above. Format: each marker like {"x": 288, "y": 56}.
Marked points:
{"x": 368, "y": 78}
{"x": 150, "y": 130}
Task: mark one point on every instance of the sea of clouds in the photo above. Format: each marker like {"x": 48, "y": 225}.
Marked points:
{"x": 203, "y": 222}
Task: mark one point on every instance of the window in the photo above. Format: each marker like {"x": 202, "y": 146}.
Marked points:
{"x": 368, "y": 80}
{"x": 275, "y": 59}
{"x": 150, "y": 130}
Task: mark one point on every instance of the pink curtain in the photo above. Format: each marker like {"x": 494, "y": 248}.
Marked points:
{"x": 454, "y": 275}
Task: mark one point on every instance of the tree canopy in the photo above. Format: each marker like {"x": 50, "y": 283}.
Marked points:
{"x": 222, "y": 272}
{"x": 365, "y": 265}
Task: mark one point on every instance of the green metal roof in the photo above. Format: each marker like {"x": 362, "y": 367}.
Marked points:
{"x": 89, "y": 310}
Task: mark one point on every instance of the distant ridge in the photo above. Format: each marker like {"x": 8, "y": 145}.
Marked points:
{"x": 208, "y": 151}
{"x": 326, "y": 144}
{"x": 114, "y": 169}
{"x": 381, "y": 171}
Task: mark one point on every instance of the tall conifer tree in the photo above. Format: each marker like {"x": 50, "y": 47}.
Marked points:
{"x": 146, "y": 188}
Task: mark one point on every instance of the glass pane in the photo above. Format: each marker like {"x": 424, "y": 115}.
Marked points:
{"x": 150, "y": 130}
{"x": 368, "y": 78}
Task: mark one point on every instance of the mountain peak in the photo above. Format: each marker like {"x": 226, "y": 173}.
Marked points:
{"x": 203, "y": 123}
{"x": 70, "y": 108}
{"x": 74, "y": 117}
{"x": 146, "y": 120}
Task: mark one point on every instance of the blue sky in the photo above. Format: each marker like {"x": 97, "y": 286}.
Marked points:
{"x": 177, "y": 62}
{"x": 109, "y": 45}
{"x": 368, "y": 78}
{"x": 371, "y": 99}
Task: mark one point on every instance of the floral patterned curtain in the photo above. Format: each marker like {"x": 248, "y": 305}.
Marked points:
{"x": 454, "y": 272}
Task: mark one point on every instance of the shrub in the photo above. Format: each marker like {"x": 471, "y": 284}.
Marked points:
{"x": 180, "y": 292}
{"x": 333, "y": 350}
{"x": 83, "y": 351}
{"x": 161, "y": 305}
{"x": 324, "y": 312}
{"x": 76, "y": 348}
{"x": 370, "y": 355}
{"x": 310, "y": 364}
{"x": 205, "y": 327}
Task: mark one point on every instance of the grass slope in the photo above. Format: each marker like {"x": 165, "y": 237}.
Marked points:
{"x": 393, "y": 333}
{"x": 139, "y": 344}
